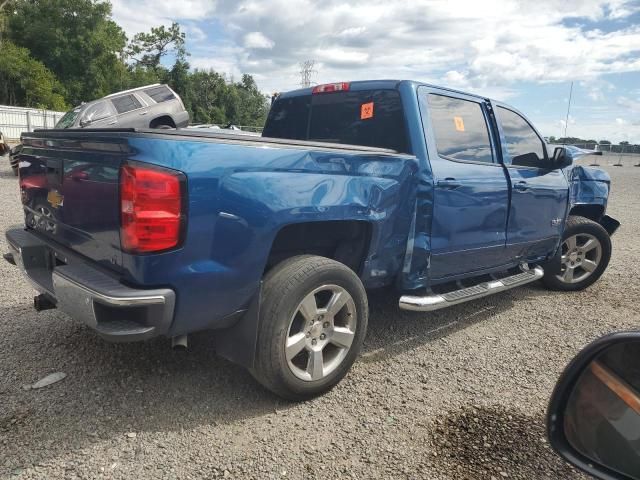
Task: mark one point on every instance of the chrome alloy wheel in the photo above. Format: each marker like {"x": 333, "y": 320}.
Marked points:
{"x": 321, "y": 332}
{"x": 581, "y": 255}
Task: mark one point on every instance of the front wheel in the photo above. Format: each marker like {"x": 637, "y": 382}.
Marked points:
{"x": 584, "y": 256}
{"x": 313, "y": 320}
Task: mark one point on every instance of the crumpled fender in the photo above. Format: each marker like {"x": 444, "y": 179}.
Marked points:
{"x": 588, "y": 186}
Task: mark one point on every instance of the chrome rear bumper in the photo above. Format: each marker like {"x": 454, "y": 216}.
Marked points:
{"x": 87, "y": 294}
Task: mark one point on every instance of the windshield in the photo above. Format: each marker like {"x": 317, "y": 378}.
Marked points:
{"x": 371, "y": 118}
{"x": 68, "y": 118}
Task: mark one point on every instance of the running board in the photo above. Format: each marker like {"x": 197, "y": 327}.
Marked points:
{"x": 435, "y": 301}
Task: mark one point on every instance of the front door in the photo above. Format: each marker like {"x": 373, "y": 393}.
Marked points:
{"x": 539, "y": 193}
{"x": 471, "y": 189}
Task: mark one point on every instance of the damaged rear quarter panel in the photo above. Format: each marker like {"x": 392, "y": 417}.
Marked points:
{"x": 319, "y": 187}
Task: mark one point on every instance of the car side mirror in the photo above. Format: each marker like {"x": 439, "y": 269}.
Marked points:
{"x": 593, "y": 420}
{"x": 84, "y": 123}
{"x": 561, "y": 158}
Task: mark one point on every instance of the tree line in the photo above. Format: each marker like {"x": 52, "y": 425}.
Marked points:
{"x": 606, "y": 145}
{"x": 56, "y": 54}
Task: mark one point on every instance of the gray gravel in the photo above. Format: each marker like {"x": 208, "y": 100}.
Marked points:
{"x": 457, "y": 394}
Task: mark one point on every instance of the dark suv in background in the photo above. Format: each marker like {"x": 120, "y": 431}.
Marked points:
{"x": 152, "y": 106}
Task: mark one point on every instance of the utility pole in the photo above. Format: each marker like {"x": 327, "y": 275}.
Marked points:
{"x": 306, "y": 71}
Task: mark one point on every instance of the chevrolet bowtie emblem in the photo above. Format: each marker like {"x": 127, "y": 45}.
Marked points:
{"x": 54, "y": 198}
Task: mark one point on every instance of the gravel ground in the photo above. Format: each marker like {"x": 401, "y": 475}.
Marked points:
{"x": 460, "y": 393}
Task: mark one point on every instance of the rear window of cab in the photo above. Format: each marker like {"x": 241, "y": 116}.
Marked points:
{"x": 370, "y": 118}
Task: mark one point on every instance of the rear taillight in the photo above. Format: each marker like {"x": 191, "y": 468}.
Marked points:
{"x": 151, "y": 209}
{"x": 331, "y": 87}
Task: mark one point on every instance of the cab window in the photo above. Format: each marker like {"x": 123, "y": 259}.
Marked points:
{"x": 524, "y": 146}
{"x": 460, "y": 129}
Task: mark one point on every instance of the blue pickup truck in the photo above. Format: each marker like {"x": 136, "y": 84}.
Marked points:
{"x": 273, "y": 241}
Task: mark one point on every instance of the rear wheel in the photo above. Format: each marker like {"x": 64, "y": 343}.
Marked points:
{"x": 584, "y": 256}
{"x": 313, "y": 321}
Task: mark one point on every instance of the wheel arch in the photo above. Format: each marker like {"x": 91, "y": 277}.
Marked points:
{"x": 162, "y": 120}
{"x": 592, "y": 211}
{"x": 346, "y": 241}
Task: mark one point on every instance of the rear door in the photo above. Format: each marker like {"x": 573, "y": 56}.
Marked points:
{"x": 539, "y": 193}
{"x": 471, "y": 189}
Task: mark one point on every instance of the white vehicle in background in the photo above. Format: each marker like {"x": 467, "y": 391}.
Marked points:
{"x": 152, "y": 106}
{"x": 233, "y": 129}
{"x": 4, "y": 147}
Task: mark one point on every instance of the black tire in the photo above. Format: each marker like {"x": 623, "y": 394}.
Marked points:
{"x": 579, "y": 226}
{"x": 284, "y": 288}
{"x": 163, "y": 126}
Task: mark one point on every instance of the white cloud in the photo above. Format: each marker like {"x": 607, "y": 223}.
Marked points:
{"x": 141, "y": 15}
{"x": 257, "y": 40}
{"x": 475, "y": 45}
{"x": 491, "y": 47}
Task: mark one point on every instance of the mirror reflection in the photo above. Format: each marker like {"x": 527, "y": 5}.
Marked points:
{"x": 602, "y": 419}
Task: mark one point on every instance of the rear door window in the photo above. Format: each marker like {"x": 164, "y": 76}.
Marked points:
{"x": 371, "y": 118}
{"x": 126, "y": 103}
{"x": 160, "y": 94}
{"x": 460, "y": 129}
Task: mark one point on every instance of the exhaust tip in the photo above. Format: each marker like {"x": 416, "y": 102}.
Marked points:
{"x": 9, "y": 258}
{"x": 180, "y": 342}
{"x": 43, "y": 302}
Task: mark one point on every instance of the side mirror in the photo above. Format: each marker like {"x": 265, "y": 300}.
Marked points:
{"x": 85, "y": 123}
{"x": 593, "y": 420}
{"x": 561, "y": 158}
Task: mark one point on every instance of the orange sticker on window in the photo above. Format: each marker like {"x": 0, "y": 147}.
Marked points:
{"x": 459, "y": 124}
{"x": 366, "y": 111}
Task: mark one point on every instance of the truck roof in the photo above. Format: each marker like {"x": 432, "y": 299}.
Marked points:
{"x": 380, "y": 84}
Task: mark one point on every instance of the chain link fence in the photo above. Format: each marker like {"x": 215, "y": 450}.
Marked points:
{"x": 15, "y": 120}
{"x": 616, "y": 155}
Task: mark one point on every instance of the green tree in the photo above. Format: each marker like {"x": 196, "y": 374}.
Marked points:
{"x": 254, "y": 106}
{"x": 74, "y": 39}
{"x": 148, "y": 49}
{"x": 4, "y": 7}
{"x": 211, "y": 98}
{"x": 27, "y": 82}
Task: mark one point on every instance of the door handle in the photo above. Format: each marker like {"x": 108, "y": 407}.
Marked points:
{"x": 144, "y": 113}
{"x": 521, "y": 186}
{"x": 449, "y": 183}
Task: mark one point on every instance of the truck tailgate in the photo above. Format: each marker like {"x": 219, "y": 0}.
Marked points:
{"x": 69, "y": 190}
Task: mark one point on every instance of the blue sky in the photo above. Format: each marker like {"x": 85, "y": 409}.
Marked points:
{"x": 525, "y": 53}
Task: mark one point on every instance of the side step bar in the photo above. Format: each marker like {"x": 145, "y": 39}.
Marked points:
{"x": 435, "y": 301}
